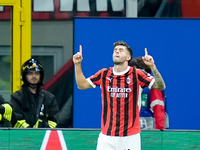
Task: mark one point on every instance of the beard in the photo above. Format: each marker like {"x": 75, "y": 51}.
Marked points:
{"x": 117, "y": 62}
{"x": 33, "y": 83}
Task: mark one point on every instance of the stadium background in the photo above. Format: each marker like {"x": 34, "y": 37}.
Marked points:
{"x": 168, "y": 28}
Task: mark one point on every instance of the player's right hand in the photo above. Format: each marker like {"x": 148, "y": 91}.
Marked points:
{"x": 77, "y": 58}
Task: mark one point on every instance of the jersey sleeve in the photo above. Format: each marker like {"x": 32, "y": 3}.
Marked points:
{"x": 158, "y": 108}
{"x": 145, "y": 79}
{"x": 95, "y": 80}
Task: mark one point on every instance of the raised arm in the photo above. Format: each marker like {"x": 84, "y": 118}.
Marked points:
{"x": 81, "y": 81}
{"x": 159, "y": 83}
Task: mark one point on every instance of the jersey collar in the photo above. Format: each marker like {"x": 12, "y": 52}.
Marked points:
{"x": 122, "y": 72}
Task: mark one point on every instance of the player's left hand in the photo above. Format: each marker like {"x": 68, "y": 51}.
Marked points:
{"x": 147, "y": 59}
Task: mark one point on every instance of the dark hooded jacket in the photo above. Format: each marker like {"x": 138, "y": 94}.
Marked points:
{"x": 28, "y": 108}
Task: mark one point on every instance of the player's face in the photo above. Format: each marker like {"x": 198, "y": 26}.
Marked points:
{"x": 120, "y": 54}
{"x": 33, "y": 77}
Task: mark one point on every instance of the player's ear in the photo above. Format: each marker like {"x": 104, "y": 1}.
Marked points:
{"x": 128, "y": 57}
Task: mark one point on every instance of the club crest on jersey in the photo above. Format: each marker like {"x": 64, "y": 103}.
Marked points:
{"x": 128, "y": 80}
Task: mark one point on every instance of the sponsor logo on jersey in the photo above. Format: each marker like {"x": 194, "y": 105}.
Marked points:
{"x": 117, "y": 89}
{"x": 118, "y": 92}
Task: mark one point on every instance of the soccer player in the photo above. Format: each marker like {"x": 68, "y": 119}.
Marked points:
{"x": 120, "y": 88}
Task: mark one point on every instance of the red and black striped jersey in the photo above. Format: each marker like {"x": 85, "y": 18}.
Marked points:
{"x": 120, "y": 99}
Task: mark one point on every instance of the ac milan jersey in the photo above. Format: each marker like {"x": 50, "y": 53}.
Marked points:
{"x": 120, "y": 99}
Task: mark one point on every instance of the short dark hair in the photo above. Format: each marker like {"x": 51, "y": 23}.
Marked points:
{"x": 138, "y": 63}
{"x": 126, "y": 45}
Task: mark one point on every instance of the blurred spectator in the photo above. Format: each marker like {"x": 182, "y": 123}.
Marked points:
{"x": 148, "y": 8}
{"x": 152, "y": 113}
{"x": 159, "y": 8}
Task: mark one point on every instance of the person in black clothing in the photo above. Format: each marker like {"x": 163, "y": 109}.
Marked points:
{"x": 5, "y": 113}
{"x": 33, "y": 107}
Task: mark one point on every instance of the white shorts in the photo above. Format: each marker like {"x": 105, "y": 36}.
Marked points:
{"x": 131, "y": 142}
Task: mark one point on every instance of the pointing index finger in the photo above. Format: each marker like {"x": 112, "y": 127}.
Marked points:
{"x": 80, "y": 49}
{"x": 146, "y": 53}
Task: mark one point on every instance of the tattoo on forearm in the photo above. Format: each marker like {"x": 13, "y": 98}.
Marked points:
{"x": 159, "y": 82}
{"x": 156, "y": 74}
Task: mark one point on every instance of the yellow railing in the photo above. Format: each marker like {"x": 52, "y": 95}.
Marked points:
{"x": 21, "y": 37}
